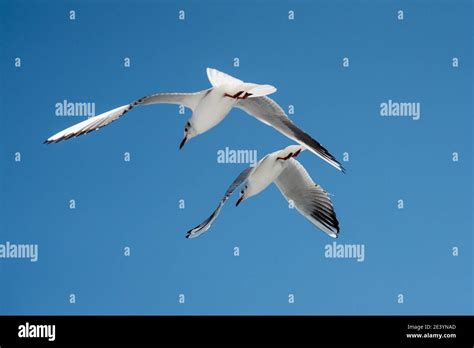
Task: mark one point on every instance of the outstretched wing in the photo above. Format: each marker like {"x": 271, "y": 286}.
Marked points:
{"x": 206, "y": 224}
{"x": 190, "y": 100}
{"x": 309, "y": 198}
{"x": 269, "y": 112}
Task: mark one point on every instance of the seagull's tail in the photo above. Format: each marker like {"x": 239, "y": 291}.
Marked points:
{"x": 238, "y": 87}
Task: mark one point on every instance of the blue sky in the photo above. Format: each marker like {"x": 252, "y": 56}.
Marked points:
{"x": 136, "y": 204}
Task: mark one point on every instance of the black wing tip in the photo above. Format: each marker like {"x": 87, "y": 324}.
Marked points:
{"x": 335, "y": 230}
{"x": 47, "y": 142}
{"x": 327, "y": 219}
{"x": 189, "y": 234}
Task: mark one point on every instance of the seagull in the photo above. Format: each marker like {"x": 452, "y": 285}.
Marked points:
{"x": 293, "y": 181}
{"x": 209, "y": 108}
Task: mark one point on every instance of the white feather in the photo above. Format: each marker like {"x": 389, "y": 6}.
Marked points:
{"x": 218, "y": 78}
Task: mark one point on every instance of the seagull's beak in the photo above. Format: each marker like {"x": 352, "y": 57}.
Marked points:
{"x": 183, "y": 142}
{"x": 297, "y": 153}
{"x": 240, "y": 200}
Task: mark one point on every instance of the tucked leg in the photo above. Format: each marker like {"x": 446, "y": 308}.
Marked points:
{"x": 238, "y": 95}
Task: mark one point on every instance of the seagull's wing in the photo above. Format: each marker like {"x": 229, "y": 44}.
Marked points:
{"x": 206, "y": 224}
{"x": 308, "y": 198}
{"x": 269, "y": 112}
{"x": 190, "y": 100}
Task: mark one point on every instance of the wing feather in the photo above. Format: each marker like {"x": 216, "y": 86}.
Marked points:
{"x": 190, "y": 100}
{"x": 269, "y": 112}
{"x": 309, "y": 198}
{"x": 206, "y": 224}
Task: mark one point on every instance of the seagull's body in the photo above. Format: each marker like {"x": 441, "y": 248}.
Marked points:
{"x": 266, "y": 171}
{"x": 295, "y": 184}
{"x": 209, "y": 108}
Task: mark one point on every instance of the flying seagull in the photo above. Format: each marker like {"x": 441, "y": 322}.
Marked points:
{"x": 293, "y": 181}
{"x": 209, "y": 108}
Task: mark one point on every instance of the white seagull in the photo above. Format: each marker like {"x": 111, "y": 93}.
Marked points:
{"x": 294, "y": 183}
{"x": 209, "y": 108}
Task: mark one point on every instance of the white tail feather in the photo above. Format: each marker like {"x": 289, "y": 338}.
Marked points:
{"x": 217, "y": 78}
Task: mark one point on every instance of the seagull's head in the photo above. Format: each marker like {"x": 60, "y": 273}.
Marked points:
{"x": 189, "y": 132}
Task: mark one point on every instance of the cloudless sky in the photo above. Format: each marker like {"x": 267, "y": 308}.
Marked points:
{"x": 136, "y": 204}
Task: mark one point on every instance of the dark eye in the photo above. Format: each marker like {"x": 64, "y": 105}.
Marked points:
{"x": 189, "y": 124}
{"x": 185, "y": 129}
